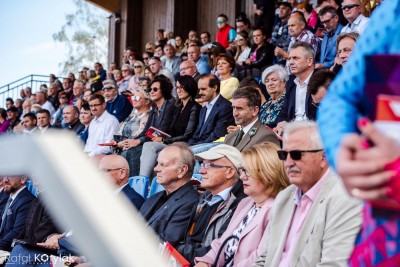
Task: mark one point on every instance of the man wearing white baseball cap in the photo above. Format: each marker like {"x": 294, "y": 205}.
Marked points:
{"x": 211, "y": 217}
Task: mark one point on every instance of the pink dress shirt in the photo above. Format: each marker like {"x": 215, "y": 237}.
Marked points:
{"x": 303, "y": 204}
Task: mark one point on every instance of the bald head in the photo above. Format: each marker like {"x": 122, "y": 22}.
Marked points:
{"x": 70, "y": 114}
{"x": 187, "y": 67}
{"x": 116, "y": 168}
{"x": 296, "y": 23}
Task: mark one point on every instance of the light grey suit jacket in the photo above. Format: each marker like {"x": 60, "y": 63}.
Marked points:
{"x": 328, "y": 233}
{"x": 259, "y": 134}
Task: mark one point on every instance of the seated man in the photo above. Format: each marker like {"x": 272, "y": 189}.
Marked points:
{"x": 117, "y": 169}
{"x": 313, "y": 222}
{"x": 14, "y": 214}
{"x": 101, "y": 129}
{"x": 246, "y": 105}
{"x": 43, "y": 120}
{"x": 216, "y": 116}
{"x": 318, "y": 85}
{"x": 211, "y": 217}
{"x": 168, "y": 212}
{"x": 29, "y": 122}
{"x": 117, "y": 105}
{"x": 71, "y": 119}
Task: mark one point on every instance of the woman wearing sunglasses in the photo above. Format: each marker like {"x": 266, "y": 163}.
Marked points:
{"x": 184, "y": 124}
{"x": 263, "y": 176}
{"x": 132, "y": 126}
{"x": 138, "y": 69}
{"x": 160, "y": 117}
{"x": 243, "y": 49}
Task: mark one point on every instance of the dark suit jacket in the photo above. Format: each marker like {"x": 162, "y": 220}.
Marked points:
{"x": 120, "y": 107}
{"x": 184, "y": 123}
{"x": 289, "y": 106}
{"x": 3, "y": 201}
{"x": 39, "y": 224}
{"x": 171, "y": 219}
{"x": 16, "y": 218}
{"x": 261, "y": 134}
{"x": 162, "y": 121}
{"x": 218, "y": 120}
{"x": 133, "y": 196}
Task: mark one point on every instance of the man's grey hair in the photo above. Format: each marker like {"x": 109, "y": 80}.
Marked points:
{"x": 281, "y": 71}
{"x": 185, "y": 157}
{"x": 308, "y": 50}
{"x": 305, "y": 126}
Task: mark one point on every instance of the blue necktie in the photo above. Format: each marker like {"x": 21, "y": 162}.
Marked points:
{"x": 3, "y": 218}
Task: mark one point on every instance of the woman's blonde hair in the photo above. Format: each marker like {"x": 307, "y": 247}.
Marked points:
{"x": 142, "y": 66}
{"x": 262, "y": 163}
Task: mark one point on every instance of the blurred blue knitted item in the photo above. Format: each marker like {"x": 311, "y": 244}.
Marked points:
{"x": 346, "y": 100}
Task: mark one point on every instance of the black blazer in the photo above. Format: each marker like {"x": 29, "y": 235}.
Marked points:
{"x": 264, "y": 56}
{"x": 39, "y": 224}
{"x": 184, "y": 123}
{"x": 220, "y": 117}
{"x": 162, "y": 122}
{"x": 134, "y": 197}
{"x": 171, "y": 219}
{"x": 289, "y": 105}
{"x": 16, "y": 218}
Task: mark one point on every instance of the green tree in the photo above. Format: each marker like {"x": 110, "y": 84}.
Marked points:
{"x": 85, "y": 35}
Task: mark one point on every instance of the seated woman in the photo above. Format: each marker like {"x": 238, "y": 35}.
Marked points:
{"x": 184, "y": 124}
{"x": 243, "y": 49}
{"x": 132, "y": 126}
{"x": 274, "y": 78}
{"x": 160, "y": 117}
{"x": 261, "y": 55}
{"x": 225, "y": 65}
{"x": 263, "y": 177}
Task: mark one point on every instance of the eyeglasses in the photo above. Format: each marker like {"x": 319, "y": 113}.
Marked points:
{"x": 110, "y": 170}
{"x": 137, "y": 67}
{"x": 62, "y": 97}
{"x": 212, "y": 165}
{"x": 243, "y": 171}
{"x": 180, "y": 87}
{"x": 220, "y": 21}
{"x": 154, "y": 89}
{"x": 239, "y": 39}
{"x": 136, "y": 98}
{"x": 328, "y": 20}
{"x": 108, "y": 88}
{"x": 349, "y": 6}
{"x": 295, "y": 154}
{"x": 95, "y": 105}
{"x": 145, "y": 58}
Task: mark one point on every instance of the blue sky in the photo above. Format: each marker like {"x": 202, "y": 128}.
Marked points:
{"x": 27, "y": 46}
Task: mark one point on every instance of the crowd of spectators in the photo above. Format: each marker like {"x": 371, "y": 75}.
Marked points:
{"x": 239, "y": 111}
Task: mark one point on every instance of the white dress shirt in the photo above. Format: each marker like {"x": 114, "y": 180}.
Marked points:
{"x": 101, "y": 130}
{"x": 301, "y": 94}
{"x": 358, "y": 25}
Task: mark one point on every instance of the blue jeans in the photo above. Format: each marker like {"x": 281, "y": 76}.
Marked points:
{"x": 24, "y": 256}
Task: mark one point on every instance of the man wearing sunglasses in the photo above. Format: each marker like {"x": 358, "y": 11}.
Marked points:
{"x": 212, "y": 214}
{"x": 313, "y": 221}
{"x": 352, "y": 12}
{"x": 117, "y": 105}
